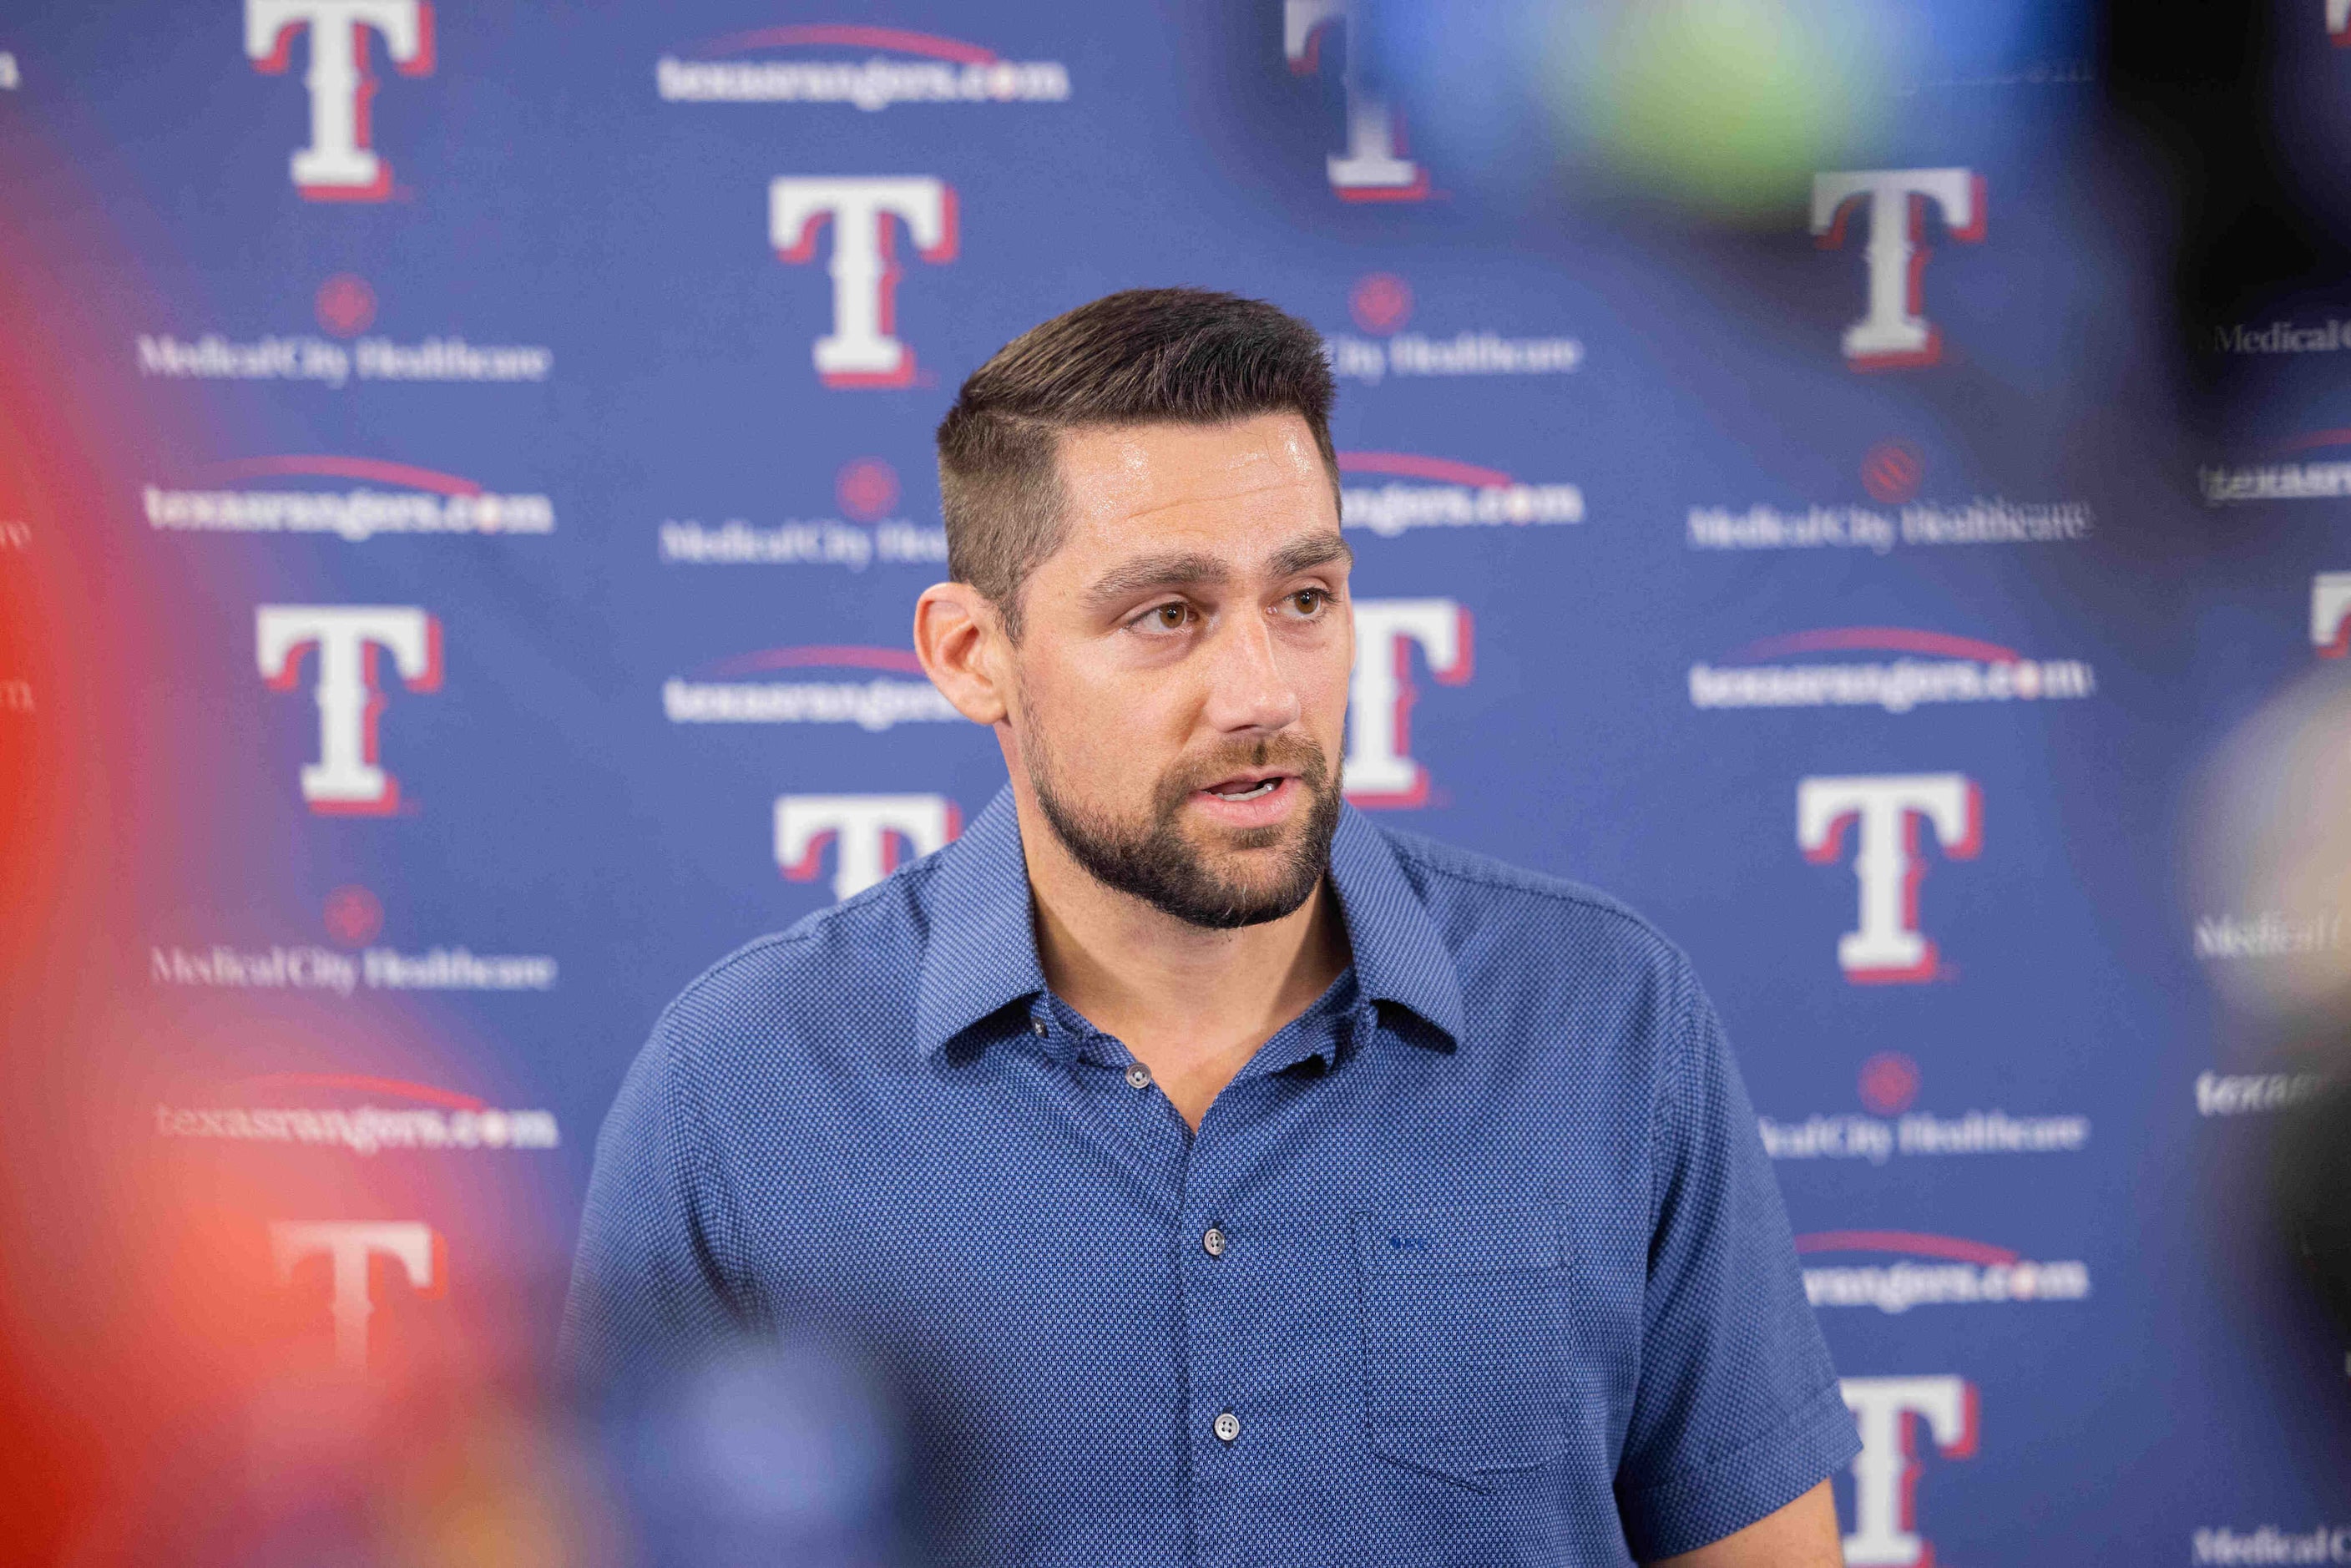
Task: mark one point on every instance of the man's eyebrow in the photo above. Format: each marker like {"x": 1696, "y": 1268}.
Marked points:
{"x": 1191, "y": 569}
{"x": 1304, "y": 555}
{"x": 1175, "y": 569}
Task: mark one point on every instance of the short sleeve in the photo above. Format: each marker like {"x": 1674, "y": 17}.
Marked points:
{"x": 649, "y": 1283}
{"x": 1736, "y": 1412}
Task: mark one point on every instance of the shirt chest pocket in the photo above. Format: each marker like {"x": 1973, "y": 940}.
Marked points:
{"x": 1466, "y": 1327}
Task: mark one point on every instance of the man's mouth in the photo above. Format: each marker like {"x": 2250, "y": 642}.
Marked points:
{"x": 1246, "y": 789}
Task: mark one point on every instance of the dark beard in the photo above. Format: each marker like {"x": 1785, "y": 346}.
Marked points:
{"x": 1158, "y": 865}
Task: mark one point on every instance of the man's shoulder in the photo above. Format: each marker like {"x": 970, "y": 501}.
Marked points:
{"x": 1548, "y": 941}
{"x": 857, "y": 959}
{"x": 1452, "y": 880}
{"x": 1527, "y": 946}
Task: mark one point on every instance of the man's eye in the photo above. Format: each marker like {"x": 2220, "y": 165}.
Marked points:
{"x": 1173, "y": 616}
{"x": 1309, "y": 600}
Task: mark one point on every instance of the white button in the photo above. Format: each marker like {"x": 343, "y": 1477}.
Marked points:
{"x": 1037, "y": 1027}
{"x": 1229, "y": 1427}
{"x": 1138, "y": 1077}
{"x": 1214, "y": 1242}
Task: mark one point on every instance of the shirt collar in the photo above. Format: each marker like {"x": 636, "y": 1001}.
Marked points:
{"x": 980, "y": 954}
{"x": 1399, "y": 957}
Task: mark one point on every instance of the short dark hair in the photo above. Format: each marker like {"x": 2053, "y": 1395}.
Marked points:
{"x": 1185, "y": 356}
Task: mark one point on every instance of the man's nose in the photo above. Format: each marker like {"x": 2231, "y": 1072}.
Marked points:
{"x": 1249, "y": 685}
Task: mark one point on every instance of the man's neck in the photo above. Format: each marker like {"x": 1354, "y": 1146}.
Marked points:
{"x": 1193, "y": 1005}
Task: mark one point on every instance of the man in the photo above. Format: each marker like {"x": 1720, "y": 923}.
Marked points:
{"x": 1228, "y": 1180}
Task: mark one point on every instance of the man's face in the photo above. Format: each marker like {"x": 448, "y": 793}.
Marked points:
{"x": 1182, "y": 672}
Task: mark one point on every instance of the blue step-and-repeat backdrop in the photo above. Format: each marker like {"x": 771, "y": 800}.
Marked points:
{"x": 469, "y": 471}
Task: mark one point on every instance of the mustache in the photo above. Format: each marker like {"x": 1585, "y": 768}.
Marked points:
{"x": 1294, "y": 753}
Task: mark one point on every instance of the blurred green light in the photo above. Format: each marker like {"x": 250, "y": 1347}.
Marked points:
{"x": 1726, "y": 105}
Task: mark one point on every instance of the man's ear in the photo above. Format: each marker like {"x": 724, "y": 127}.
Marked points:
{"x": 960, "y": 639}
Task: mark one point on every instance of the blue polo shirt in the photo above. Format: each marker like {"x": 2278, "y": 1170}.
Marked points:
{"x": 1479, "y": 1261}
